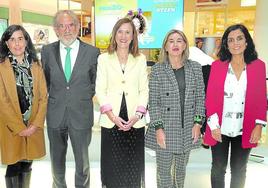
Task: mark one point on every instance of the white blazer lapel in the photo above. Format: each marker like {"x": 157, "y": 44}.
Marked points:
{"x": 130, "y": 63}
{"x": 115, "y": 64}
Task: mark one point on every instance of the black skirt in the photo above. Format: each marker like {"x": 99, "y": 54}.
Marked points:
{"x": 122, "y": 155}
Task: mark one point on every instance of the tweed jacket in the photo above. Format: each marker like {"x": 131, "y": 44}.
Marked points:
{"x": 14, "y": 147}
{"x": 164, "y": 105}
{"x": 111, "y": 83}
{"x": 255, "y": 101}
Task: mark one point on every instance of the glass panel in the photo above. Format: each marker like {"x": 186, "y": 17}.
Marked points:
{"x": 210, "y": 22}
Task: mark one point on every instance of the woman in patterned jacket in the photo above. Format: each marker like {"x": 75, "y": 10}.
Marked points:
{"x": 176, "y": 107}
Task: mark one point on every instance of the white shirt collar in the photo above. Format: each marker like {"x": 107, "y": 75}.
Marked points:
{"x": 74, "y": 45}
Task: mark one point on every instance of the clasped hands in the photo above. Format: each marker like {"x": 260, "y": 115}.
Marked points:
{"x": 124, "y": 125}
{"x": 31, "y": 129}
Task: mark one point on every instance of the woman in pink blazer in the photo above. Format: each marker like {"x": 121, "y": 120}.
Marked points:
{"x": 236, "y": 105}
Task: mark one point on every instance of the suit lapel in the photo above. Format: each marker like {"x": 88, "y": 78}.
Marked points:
{"x": 171, "y": 76}
{"x": 189, "y": 75}
{"x": 115, "y": 64}
{"x": 34, "y": 75}
{"x": 78, "y": 59}
{"x": 57, "y": 55}
{"x": 10, "y": 84}
{"x": 130, "y": 63}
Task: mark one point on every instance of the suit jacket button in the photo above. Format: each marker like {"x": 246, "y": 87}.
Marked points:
{"x": 68, "y": 87}
{"x": 123, "y": 81}
{"x": 168, "y": 109}
{"x": 167, "y": 94}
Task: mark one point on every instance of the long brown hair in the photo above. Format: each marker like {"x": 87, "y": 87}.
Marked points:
{"x": 133, "y": 47}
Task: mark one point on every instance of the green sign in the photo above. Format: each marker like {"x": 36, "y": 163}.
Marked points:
{"x": 3, "y": 26}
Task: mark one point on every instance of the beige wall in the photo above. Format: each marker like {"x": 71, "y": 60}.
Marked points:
{"x": 4, "y": 3}
{"x": 261, "y": 30}
{"x": 46, "y": 7}
{"x": 15, "y": 12}
{"x": 188, "y": 26}
{"x": 261, "y": 38}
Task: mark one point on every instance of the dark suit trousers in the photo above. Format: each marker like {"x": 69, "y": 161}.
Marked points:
{"x": 238, "y": 162}
{"x": 58, "y": 141}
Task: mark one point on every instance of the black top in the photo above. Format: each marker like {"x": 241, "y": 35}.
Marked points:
{"x": 180, "y": 77}
{"x": 206, "y": 71}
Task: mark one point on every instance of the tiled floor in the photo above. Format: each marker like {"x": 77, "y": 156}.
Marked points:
{"x": 198, "y": 169}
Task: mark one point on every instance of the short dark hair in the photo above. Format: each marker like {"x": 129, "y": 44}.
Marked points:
{"x": 4, "y": 51}
{"x": 250, "y": 53}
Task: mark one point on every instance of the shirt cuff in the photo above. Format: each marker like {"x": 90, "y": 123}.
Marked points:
{"x": 199, "y": 119}
{"x": 213, "y": 122}
{"x": 263, "y": 123}
{"x": 159, "y": 124}
{"x": 141, "y": 109}
{"x": 105, "y": 108}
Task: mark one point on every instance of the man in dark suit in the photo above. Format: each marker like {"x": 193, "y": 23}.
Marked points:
{"x": 70, "y": 69}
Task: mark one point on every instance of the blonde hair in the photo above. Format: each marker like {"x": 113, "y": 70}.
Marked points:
{"x": 133, "y": 47}
{"x": 163, "y": 56}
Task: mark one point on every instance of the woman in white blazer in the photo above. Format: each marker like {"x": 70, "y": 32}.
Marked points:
{"x": 122, "y": 91}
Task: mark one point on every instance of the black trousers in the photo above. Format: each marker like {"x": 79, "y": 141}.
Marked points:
{"x": 238, "y": 162}
{"x": 19, "y": 167}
